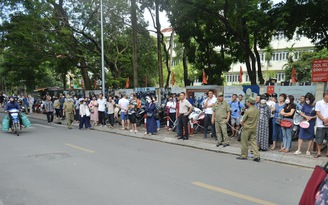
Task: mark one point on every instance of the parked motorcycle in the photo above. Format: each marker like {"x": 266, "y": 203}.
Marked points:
{"x": 198, "y": 116}
{"x": 140, "y": 115}
{"x": 296, "y": 121}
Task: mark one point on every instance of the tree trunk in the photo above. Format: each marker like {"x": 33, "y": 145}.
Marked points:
{"x": 64, "y": 80}
{"x": 159, "y": 47}
{"x": 84, "y": 73}
{"x": 258, "y": 60}
{"x": 185, "y": 68}
{"x": 134, "y": 42}
{"x": 169, "y": 56}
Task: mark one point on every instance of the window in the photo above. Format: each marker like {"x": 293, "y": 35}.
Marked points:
{"x": 280, "y": 76}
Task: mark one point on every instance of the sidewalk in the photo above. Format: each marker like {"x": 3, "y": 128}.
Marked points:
{"x": 197, "y": 141}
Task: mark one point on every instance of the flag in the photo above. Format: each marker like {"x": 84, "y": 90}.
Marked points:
{"x": 204, "y": 77}
{"x": 241, "y": 75}
{"x": 294, "y": 80}
{"x": 127, "y": 83}
{"x": 146, "y": 80}
{"x": 173, "y": 80}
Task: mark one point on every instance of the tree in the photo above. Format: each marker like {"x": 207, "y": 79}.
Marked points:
{"x": 306, "y": 18}
{"x": 239, "y": 27}
{"x": 65, "y": 35}
{"x": 303, "y": 65}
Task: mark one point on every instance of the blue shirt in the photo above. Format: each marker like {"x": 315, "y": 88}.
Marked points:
{"x": 236, "y": 108}
{"x": 10, "y": 106}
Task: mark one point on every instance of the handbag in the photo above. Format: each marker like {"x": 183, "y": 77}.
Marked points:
{"x": 286, "y": 123}
{"x": 149, "y": 114}
{"x": 305, "y": 124}
{"x": 312, "y": 187}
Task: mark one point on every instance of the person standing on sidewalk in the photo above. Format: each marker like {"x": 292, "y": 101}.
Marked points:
{"x": 132, "y": 113}
{"x": 321, "y": 107}
{"x": 31, "y": 102}
{"x": 111, "y": 111}
{"x": 84, "y": 114}
{"x": 171, "y": 105}
{"x": 69, "y": 111}
{"x": 49, "y": 108}
{"x": 61, "y": 101}
{"x": 221, "y": 116}
{"x": 123, "y": 104}
{"x": 101, "y": 109}
{"x": 57, "y": 107}
{"x": 248, "y": 136}
{"x": 208, "y": 105}
{"x": 185, "y": 109}
{"x": 236, "y": 109}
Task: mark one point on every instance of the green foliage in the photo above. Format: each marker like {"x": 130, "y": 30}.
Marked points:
{"x": 44, "y": 40}
{"x": 303, "y": 65}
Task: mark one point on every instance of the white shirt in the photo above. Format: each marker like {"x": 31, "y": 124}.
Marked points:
{"x": 123, "y": 103}
{"x": 170, "y": 105}
{"x": 321, "y": 106}
{"x": 102, "y": 104}
{"x": 271, "y": 105}
{"x": 208, "y": 109}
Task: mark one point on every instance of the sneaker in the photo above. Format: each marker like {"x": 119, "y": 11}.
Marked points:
{"x": 135, "y": 131}
{"x": 308, "y": 153}
{"x": 131, "y": 130}
{"x": 297, "y": 152}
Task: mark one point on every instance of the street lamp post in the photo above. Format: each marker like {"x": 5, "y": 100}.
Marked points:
{"x": 102, "y": 48}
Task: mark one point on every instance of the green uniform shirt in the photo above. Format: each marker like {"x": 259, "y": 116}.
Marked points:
{"x": 68, "y": 106}
{"x": 221, "y": 111}
{"x": 250, "y": 118}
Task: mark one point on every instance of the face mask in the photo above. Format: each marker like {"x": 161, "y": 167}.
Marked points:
{"x": 263, "y": 101}
{"x": 287, "y": 101}
{"x": 148, "y": 101}
{"x": 307, "y": 102}
{"x": 84, "y": 103}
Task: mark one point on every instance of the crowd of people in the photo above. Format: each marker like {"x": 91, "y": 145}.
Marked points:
{"x": 271, "y": 123}
{"x": 264, "y": 120}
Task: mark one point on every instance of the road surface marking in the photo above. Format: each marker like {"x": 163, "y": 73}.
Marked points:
{"x": 80, "y": 148}
{"x": 45, "y": 126}
{"x": 234, "y": 194}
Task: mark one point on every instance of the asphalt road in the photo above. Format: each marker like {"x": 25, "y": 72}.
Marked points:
{"x": 52, "y": 165}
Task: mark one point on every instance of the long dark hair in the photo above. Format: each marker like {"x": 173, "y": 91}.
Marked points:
{"x": 291, "y": 99}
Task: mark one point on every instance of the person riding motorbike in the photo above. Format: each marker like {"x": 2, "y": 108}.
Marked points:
{"x": 12, "y": 104}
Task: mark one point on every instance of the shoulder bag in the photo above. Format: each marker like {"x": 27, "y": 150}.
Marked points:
{"x": 286, "y": 123}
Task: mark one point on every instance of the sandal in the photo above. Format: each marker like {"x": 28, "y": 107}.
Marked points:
{"x": 317, "y": 156}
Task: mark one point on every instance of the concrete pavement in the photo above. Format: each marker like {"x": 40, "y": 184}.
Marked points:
{"x": 197, "y": 141}
{"x": 50, "y": 164}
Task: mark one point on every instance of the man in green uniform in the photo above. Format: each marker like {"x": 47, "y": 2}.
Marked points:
{"x": 249, "y": 123}
{"x": 221, "y": 115}
{"x": 69, "y": 110}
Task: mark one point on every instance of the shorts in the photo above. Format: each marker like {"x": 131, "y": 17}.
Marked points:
{"x": 321, "y": 134}
{"x": 123, "y": 116}
{"x": 132, "y": 118}
{"x": 235, "y": 121}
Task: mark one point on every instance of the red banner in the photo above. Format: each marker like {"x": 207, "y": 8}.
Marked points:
{"x": 320, "y": 70}
{"x": 270, "y": 90}
{"x": 204, "y": 77}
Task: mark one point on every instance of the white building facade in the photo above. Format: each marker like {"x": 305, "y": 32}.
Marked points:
{"x": 281, "y": 48}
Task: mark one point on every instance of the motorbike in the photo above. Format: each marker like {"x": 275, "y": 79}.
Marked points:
{"x": 15, "y": 125}
{"x": 140, "y": 115}
{"x": 198, "y": 116}
{"x": 296, "y": 121}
